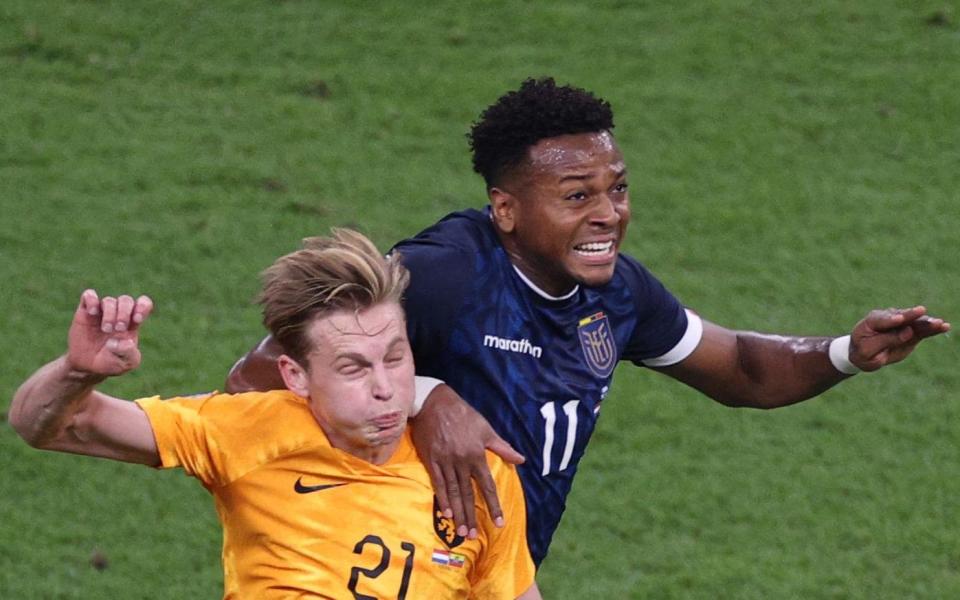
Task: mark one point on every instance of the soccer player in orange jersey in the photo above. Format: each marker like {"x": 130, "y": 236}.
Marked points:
{"x": 318, "y": 487}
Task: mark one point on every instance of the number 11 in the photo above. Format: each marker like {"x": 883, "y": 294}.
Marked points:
{"x": 549, "y": 412}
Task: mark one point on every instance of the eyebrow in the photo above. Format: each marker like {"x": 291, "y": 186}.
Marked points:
{"x": 356, "y": 356}
{"x": 583, "y": 177}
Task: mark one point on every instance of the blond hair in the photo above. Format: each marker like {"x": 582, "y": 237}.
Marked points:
{"x": 342, "y": 271}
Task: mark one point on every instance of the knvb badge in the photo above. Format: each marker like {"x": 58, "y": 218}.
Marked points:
{"x": 444, "y": 527}
{"x": 597, "y": 344}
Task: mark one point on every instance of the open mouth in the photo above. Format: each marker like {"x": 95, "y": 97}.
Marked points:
{"x": 594, "y": 249}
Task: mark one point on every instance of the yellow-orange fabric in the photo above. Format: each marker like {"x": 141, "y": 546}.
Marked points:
{"x": 373, "y": 533}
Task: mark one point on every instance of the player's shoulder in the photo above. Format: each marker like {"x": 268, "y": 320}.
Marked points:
{"x": 634, "y": 276}
{"x": 238, "y": 413}
{"x": 464, "y": 231}
{"x": 630, "y": 267}
{"x": 443, "y": 262}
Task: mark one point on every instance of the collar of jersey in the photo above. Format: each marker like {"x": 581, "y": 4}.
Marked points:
{"x": 542, "y": 293}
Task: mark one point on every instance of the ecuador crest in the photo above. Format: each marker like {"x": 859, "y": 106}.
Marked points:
{"x": 596, "y": 341}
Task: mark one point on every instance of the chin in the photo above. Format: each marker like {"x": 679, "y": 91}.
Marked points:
{"x": 596, "y": 278}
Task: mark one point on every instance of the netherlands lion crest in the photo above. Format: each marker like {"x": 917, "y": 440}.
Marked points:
{"x": 596, "y": 341}
{"x": 444, "y": 527}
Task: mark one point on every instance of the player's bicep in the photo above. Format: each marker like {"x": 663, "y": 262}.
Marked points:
{"x": 112, "y": 428}
{"x": 713, "y": 367}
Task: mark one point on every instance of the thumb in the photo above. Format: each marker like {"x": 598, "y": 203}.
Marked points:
{"x": 125, "y": 350}
{"x": 501, "y": 448}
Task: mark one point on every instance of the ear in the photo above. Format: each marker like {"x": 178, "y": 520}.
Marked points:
{"x": 503, "y": 206}
{"x": 294, "y": 376}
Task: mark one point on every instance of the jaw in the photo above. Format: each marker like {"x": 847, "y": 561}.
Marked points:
{"x": 593, "y": 265}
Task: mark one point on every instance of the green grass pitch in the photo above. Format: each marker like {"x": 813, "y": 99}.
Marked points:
{"x": 792, "y": 165}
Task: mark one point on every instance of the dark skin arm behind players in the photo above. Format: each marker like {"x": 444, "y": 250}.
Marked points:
{"x": 735, "y": 368}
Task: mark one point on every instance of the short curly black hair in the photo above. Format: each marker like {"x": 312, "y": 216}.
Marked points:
{"x": 540, "y": 109}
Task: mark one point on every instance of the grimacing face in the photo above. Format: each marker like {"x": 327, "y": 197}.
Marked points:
{"x": 359, "y": 379}
{"x": 562, "y": 216}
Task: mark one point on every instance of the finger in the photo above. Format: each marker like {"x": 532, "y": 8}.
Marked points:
{"x": 882, "y": 320}
{"x": 142, "y": 310}
{"x": 108, "y": 307}
{"x": 469, "y": 526}
{"x": 925, "y": 326}
{"x": 453, "y": 497}
{"x": 125, "y": 306}
{"x": 488, "y": 488}
{"x": 122, "y": 348}
{"x": 501, "y": 448}
{"x": 126, "y": 352}
{"x": 440, "y": 489}
{"x": 868, "y": 348}
{"x": 89, "y": 302}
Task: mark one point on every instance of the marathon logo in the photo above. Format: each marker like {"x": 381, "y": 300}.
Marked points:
{"x": 522, "y": 346}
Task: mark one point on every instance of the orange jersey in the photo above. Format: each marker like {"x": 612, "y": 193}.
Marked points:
{"x": 303, "y": 519}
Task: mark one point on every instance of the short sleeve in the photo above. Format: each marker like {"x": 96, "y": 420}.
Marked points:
{"x": 662, "y": 322}
{"x": 505, "y": 569}
{"x": 184, "y": 437}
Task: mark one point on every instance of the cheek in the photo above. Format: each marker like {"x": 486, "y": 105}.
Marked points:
{"x": 343, "y": 401}
{"x": 624, "y": 212}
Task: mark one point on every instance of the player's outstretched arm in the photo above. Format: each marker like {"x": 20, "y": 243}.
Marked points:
{"x": 58, "y": 407}
{"x": 451, "y": 438}
{"x": 741, "y": 368}
{"x": 257, "y": 371}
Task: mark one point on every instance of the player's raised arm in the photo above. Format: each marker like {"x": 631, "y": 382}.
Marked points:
{"x": 256, "y": 371}
{"x": 741, "y": 368}
{"x": 58, "y": 408}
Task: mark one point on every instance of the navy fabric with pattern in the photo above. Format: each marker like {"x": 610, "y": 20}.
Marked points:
{"x": 536, "y": 368}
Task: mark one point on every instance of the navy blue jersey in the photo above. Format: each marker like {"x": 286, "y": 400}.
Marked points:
{"x": 536, "y": 367}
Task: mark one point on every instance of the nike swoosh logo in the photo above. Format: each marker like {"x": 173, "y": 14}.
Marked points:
{"x": 299, "y": 488}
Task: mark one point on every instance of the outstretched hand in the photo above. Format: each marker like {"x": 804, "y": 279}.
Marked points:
{"x": 888, "y": 336}
{"x": 104, "y": 335}
{"x": 451, "y": 438}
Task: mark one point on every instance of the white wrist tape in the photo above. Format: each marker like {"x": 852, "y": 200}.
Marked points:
{"x": 840, "y": 355}
{"x": 423, "y": 386}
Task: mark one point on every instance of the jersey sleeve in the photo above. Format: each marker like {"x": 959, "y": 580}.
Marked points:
{"x": 186, "y": 437}
{"x": 665, "y": 332}
{"x": 218, "y": 438}
{"x": 505, "y": 569}
{"x": 439, "y": 278}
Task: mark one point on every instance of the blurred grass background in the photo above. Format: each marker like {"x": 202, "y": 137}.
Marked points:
{"x": 792, "y": 166}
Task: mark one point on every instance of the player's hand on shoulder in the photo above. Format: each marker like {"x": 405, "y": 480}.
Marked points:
{"x": 887, "y": 336}
{"x": 451, "y": 439}
{"x": 104, "y": 334}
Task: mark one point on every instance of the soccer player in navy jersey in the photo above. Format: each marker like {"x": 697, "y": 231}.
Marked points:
{"x": 524, "y": 309}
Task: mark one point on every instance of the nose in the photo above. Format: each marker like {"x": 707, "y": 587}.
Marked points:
{"x": 607, "y": 212}
{"x": 381, "y": 387}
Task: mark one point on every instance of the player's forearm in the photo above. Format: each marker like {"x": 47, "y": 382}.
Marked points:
{"x": 780, "y": 370}
{"x": 46, "y": 404}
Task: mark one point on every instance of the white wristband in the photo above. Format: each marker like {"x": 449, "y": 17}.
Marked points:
{"x": 840, "y": 355}
{"x": 423, "y": 387}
